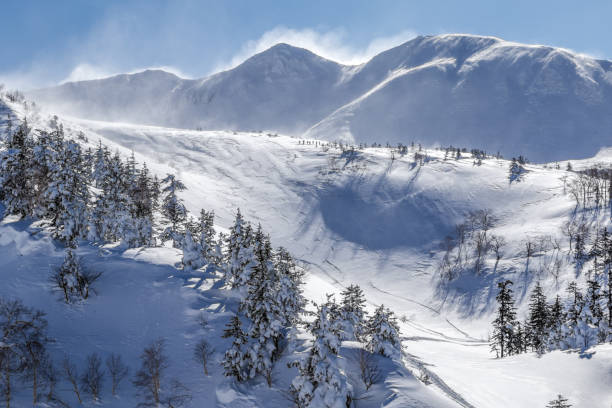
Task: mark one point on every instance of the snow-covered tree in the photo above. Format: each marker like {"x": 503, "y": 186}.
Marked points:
{"x": 554, "y": 325}
{"x": 138, "y": 230}
{"x": 100, "y": 165}
{"x": 538, "y": 320}
{"x": 588, "y": 328}
{"x": 207, "y": 236}
{"x": 262, "y": 308}
{"x": 239, "y": 252}
{"x": 382, "y": 333}
{"x": 595, "y": 302}
{"x": 69, "y": 192}
{"x": 516, "y": 170}
{"x": 110, "y": 215}
{"x": 505, "y": 321}
{"x": 321, "y": 382}
{"x": 234, "y": 359}
{"x": 15, "y": 162}
{"x": 46, "y": 152}
{"x": 352, "y": 313}
{"x": 573, "y": 312}
{"x": 74, "y": 283}
{"x": 559, "y": 402}
{"x": 172, "y": 209}
{"x": 192, "y": 253}
{"x": 289, "y": 295}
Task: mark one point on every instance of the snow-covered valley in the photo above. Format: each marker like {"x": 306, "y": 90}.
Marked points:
{"x": 373, "y": 216}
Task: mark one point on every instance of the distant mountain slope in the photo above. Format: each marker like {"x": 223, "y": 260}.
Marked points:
{"x": 463, "y": 90}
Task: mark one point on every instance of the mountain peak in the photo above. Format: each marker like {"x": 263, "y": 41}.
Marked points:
{"x": 288, "y": 52}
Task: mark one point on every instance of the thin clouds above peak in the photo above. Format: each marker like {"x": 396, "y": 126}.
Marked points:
{"x": 332, "y": 44}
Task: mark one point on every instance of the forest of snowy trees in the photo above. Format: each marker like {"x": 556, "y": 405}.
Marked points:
{"x": 97, "y": 197}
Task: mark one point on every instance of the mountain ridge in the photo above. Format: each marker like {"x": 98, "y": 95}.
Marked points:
{"x": 472, "y": 91}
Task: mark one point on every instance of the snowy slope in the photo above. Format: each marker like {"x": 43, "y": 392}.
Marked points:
{"x": 350, "y": 218}
{"x": 369, "y": 220}
{"x": 465, "y": 90}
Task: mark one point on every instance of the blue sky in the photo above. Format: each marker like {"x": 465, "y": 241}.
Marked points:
{"x": 46, "y": 42}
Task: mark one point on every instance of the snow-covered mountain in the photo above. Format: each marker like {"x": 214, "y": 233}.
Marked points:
{"x": 464, "y": 90}
{"x": 378, "y": 217}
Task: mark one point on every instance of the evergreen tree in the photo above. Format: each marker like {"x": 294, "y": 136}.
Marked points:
{"x": 234, "y": 359}
{"x": 516, "y": 170}
{"x": 505, "y": 321}
{"x": 69, "y": 192}
{"x": 320, "y": 382}
{"x": 352, "y": 313}
{"x": 172, "y": 209}
{"x": 100, "y": 165}
{"x": 110, "y": 215}
{"x": 538, "y": 320}
{"x": 239, "y": 252}
{"x": 289, "y": 295}
{"x": 207, "y": 236}
{"x": 579, "y": 247}
{"x": 593, "y": 302}
{"x": 383, "y": 335}
{"x": 573, "y": 312}
{"x": 556, "y": 318}
{"x": 138, "y": 230}
{"x": 46, "y": 151}
{"x": 262, "y": 308}
{"x": 15, "y": 163}
{"x": 560, "y": 401}
{"x": 520, "y": 339}
{"x": 192, "y": 253}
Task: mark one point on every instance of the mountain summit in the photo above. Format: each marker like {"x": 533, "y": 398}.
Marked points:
{"x": 464, "y": 90}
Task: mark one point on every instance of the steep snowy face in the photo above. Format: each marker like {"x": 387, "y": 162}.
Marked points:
{"x": 139, "y": 97}
{"x": 283, "y": 89}
{"x": 464, "y": 90}
{"x": 482, "y": 92}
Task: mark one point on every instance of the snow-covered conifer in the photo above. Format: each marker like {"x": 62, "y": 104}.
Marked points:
{"x": 15, "y": 161}
{"x": 192, "y": 253}
{"x": 207, "y": 240}
{"x": 573, "y": 312}
{"x": 383, "y": 335}
{"x": 555, "y": 324}
{"x": 289, "y": 292}
{"x": 100, "y": 165}
{"x": 538, "y": 320}
{"x": 233, "y": 361}
{"x": 261, "y": 307}
{"x": 321, "y": 382}
{"x": 172, "y": 209}
{"x": 505, "y": 321}
{"x": 69, "y": 192}
{"x": 352, "y": 313}
{"x": 239, "y": 252}
{"x": 559, "y": 402}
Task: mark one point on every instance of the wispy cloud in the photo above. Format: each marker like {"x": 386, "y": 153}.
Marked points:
{"x": 331, "y": 44}
{"x": 115, "y": 45}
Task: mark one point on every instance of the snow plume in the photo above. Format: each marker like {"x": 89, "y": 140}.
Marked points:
{"x": 331, "y": 44}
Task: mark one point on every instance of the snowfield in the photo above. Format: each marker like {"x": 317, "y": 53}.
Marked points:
{"x": 365, "y": 216}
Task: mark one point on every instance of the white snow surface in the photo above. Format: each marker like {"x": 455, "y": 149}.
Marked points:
{"x": 361, "y": 218}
